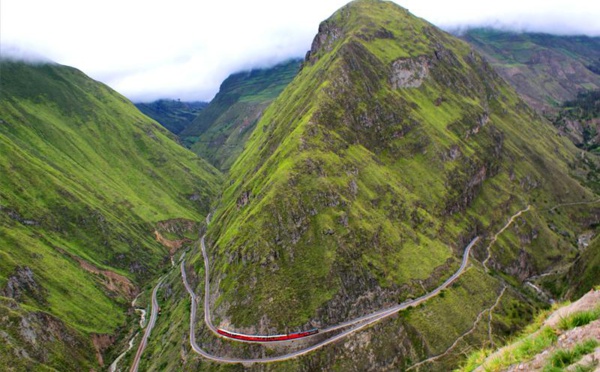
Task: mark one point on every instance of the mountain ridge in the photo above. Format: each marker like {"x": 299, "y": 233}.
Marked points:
{"x": 87, "y": 179}
{"x": 393, "y": 147}
{"x": 176, "y": 116}
{"x": 349, "y": 127}
{"x": 219, "y": 132}
{"x": 546, "y": 69}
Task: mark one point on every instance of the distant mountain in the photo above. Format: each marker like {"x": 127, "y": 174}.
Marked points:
{"x": 363, "y": 182}
{"x": 219, "y": 132}
{"x": 545, "y": 69}
{"x": 579, "y": 119}
{"x": 88, "y": 184}
{"x": 173, "y": 115}
{"x": 559, "y": 76}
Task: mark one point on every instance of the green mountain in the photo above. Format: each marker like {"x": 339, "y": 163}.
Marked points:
{"x": 585, "y": 272}
{"x": 545, "y": 69}
{"x": 87, "y": 183}
{"x": 220, "y": 131}
{"x": 173, "y": 115}
{"x": 394, "y": 146}
{"x": 579, "y": 119}
{"x": 559, "y": 76}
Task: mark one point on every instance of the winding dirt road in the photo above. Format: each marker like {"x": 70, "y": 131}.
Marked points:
{"x": 575, "y": 203}
{"x": 354, "y": 325}
{"x": 151, "y": 322}
{"x": 347, "y": 328}
{"x": 510, "y": 221}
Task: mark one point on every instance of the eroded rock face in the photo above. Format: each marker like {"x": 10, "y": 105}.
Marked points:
{"x": 22, "y": 283}
{"x": 324, "y": 41}
{"x": 178, "y": 227}
{"x": 32, "y": 337}
{"x": 409, "y": 72}
{"x": 102, "y": 342}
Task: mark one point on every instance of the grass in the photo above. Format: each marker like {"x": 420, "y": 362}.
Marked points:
{"x": 444, "y": 318}
{"x": 524, "y": 349}
{"x": 534, "y": 339}
{"x": 563, "y": 358}
{"x": 585, "y": 272}
{"x": 579, "y": 319}
{"x": 85, "y": 175}
{"x": 346, "y": 177}
{"x": 219, "y": 133}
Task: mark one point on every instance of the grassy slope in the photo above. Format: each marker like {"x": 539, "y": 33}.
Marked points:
{"x": 557, "y": 75}
{"x": 585, "y": 273}
{"x": 346, "y": 183}
{"x": 173, "y": 115}
{"x": 218, "y": 133}
{"x": 84, "y": 172}
{"x": 542, "y": 338}
{"x": 545, "y": 69}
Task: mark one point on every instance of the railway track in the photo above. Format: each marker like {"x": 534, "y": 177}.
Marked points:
{"x": 347, "y": 328}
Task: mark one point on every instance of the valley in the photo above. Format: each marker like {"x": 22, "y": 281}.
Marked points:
{"x": 399, "y": 199}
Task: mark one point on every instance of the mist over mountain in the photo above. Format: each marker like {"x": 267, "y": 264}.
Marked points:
{"x": 185, "y": 50}
{"x": 219, "y": 132}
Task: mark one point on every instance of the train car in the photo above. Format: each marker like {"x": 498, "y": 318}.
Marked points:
{"x": 269, "y": 338}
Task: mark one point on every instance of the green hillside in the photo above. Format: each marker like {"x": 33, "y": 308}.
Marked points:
{"x": 85, "y": 179}
{"x": 171, "y": 114}
{"x": 564, "y": 338}
{"x": 220, "y": 131}
{"x": 545, "y": 69}
{"x": 362, "y": 183}
{"x": 579, "y": 119}
{"x": 585, "y": 272}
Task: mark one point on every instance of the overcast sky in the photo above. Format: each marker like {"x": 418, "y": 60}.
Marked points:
{"x": 185, "y": 48}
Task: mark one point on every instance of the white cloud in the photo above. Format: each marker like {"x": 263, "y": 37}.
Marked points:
{"x": 13, "y": 52}
{"x": 184, "y": 49}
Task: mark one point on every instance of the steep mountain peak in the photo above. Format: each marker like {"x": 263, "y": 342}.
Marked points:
{"x": 392, "y": 35}
{"x": 393, "y": 147}
{"x": 362, "y": 19}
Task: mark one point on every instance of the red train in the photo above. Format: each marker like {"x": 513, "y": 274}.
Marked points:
{"x": 259, "y": 338}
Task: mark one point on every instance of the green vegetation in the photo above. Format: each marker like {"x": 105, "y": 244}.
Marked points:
{"x": 219, "y": 132}
{"x": 357, "y": 187}
{"x": 529, "y": 347}
{"x": 533, "y": 340}
{"x": 546, "y": 69}
{"x": 173, "y": 115}
{"x": 585, "y": 272}
{"x": 565, "y": 357}
{"x": 585, "y": 106}
{"x": 579, "y": 319}
{"x": 522, "y": 350}
{"x": 358, "y": 181}
{"x": 86, "y": 178}
{"x": 579, "y": 120}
